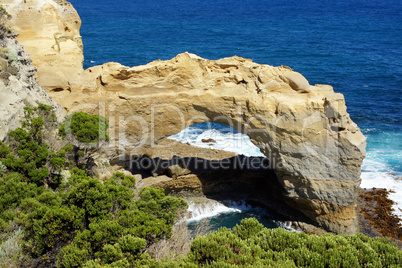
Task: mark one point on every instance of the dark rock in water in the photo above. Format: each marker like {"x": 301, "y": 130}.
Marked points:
{"x": 208, "y": 141}
{"x": 375, "y": 215}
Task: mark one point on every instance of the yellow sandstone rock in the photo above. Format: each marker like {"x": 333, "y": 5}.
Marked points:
{"x": 49, "y": 31}
{"x": 314, "y": 146}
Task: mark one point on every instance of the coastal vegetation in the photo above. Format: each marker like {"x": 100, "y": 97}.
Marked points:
{"x": 85, "y": 127}
{"x": 47, "y": 218}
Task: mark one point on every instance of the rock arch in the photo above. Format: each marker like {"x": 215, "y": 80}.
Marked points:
{"x": 304, "y": 130}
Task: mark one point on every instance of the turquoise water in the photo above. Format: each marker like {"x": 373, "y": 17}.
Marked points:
{"x": 228, "y": 214}
{"x": 231, "y": 219}
{"x": 353, "y": 45}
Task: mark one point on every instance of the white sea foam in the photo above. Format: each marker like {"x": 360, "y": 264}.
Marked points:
{"x": 380, "y": 175}
{"x": 375, "y": 170}
{"x": 211, "y": 208}
{"x": 208, "y": 209}
{"x": 226, "y": 138}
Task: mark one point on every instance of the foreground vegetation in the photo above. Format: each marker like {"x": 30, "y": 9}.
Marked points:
{"x": 250, "y": 244}
{"x": 73, "y": 218}
{"x": 53, "y": 213}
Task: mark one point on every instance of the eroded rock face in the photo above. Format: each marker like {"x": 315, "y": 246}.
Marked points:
{"x": 49, "y": 31}
{"x": 315, "y": 149}
{"x": 18, "y": 87}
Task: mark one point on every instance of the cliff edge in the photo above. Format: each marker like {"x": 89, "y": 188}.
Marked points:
{"x": 18, "y": 87}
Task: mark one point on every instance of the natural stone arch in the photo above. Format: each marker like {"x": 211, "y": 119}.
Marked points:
{"x": 305, "y": 130}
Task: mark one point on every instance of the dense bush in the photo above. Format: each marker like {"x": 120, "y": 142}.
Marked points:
{"x": 86, "y": 134}
{"x": 127, "y": 181}
{"x": 87, "y": 219}
{"x": 126, "y": 230}
{"x": 249, "y": 244}
{"x": 85, "y": 127}
{"x": 27, "y": 153}
{"x": 81, "y": 219}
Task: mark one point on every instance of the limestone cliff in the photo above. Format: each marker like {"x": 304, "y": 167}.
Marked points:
{"x": 315, "y": 148}
{"x": 49, "y": 31}
{"x": 305, "y": 131}
{"x": 18, "y": 86}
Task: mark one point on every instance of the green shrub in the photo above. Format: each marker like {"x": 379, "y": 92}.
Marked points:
{"x": 250, "y": 245}
{"x": 86, "y": 133}
{"x": 132, "y": 244}
{"x": 116, "y": 228}
{"x": 58, "y": 160}
{"x": 85, "y": 127}
{"x": 128, "y": 181}
{"x": 27, "y": 153}
{"x": 50, "y": 227}
{"x": 154, "y": 202}
{"x": 84, "y": 218}
{"x": 248, "y": 228}
{"x": 13, "y": 191}
{"x": 99, "y": 200}
{"x": 222, "y": 245}
{"x": 28, "y": 157}
{"x": 72, "y": 256}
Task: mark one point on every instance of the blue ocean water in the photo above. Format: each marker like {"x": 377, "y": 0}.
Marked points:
{"x": 229, "y": 215}
{"x": 353, "y": 45}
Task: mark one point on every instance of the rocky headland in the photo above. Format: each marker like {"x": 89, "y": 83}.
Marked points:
{"x": 314, "y": 149}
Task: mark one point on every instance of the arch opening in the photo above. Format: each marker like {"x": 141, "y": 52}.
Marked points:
{"x": 241, "y": 175}
{"x": 218, "y": 136}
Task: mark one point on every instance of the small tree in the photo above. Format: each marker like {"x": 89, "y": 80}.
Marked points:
{"x": 87, "y": 133}
{"x": 26, "y": 152}
{"x": 85, "y": 128}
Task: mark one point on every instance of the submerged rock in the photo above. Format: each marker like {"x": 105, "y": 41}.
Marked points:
{"x": 208, "y": 141}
